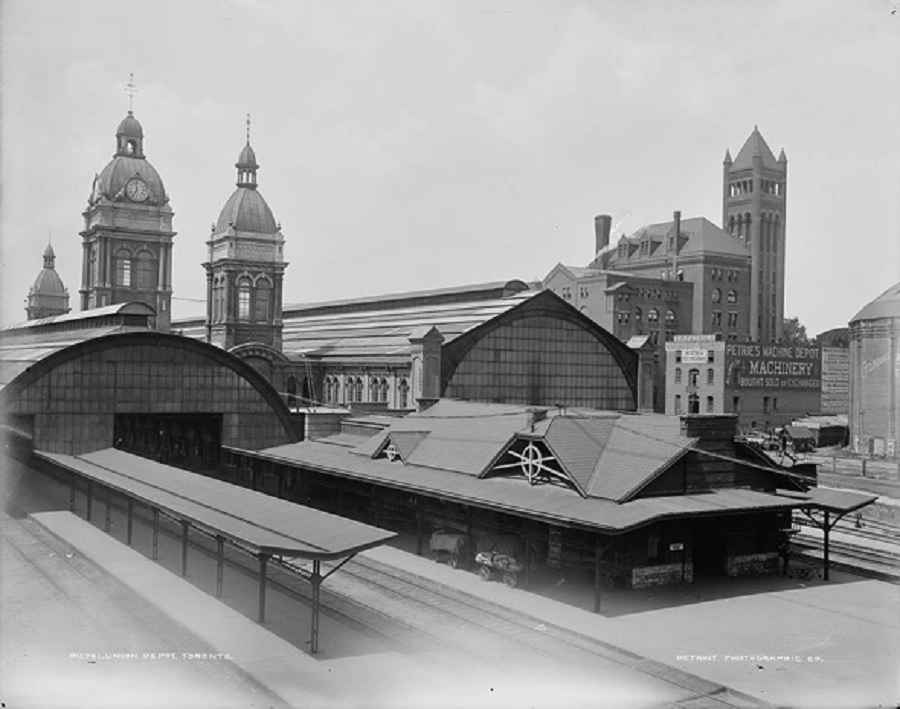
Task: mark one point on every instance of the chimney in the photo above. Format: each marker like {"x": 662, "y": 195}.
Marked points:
{"x": 677, "y": 216}
{"x": 602, "y": 225}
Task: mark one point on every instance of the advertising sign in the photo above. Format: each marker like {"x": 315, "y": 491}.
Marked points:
{"x": 758, "y": 366}
{"x": 695, "y": 356}
{"x": 835, "y": 380}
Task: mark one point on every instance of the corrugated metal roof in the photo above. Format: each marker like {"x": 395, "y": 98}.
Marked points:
{"x": 385, "y": 333}
{"x": 263, "y": 522}
{"x": 19, "y": 352}
{"x": 516, "y": 496}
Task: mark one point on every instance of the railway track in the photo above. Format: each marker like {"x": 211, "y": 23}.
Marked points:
{"x": 856, "y": 549}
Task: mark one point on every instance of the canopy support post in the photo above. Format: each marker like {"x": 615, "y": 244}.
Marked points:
{"x": 185, "y": 526}
{"x": 107, "y": 519}
{"x": 220, "y": 563}
{"x": 130, "y": 528}
{"x": 263, "y": 560}
{"x": 155, "y": 533}
{"x": 826, "y": 528}
{"x": 420, "y": 526}
{"x": 90, "y": 496}
{"x": 316, "y": 582}
{"x": 72, "y": 495}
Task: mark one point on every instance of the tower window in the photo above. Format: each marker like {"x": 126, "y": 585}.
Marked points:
{"x": 123, "y": 268}
{"x": 146, "y": 270}
{"x": 263, "y": 300}
{"x": 243, "y": 299}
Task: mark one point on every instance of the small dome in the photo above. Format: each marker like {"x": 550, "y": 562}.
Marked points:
{"x": 130, "y": 127}
{"x": 48, "y": 252}
{"x": 247, "y": 158}
{"x": 121, "y": 169}
{"x": 48, "y": 282}
{"x": 246, "y": 210}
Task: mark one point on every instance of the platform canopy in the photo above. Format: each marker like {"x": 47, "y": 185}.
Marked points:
{"x": 265, "y": 524}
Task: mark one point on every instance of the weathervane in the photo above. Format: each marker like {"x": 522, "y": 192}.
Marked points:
{"x": 131, "y": 90}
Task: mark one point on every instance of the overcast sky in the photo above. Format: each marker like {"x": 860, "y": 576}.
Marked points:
{"x": 415, "y": 145}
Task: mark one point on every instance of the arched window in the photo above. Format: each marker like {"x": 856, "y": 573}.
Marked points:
{"x": 677, "y": 404}
{"x": 653, "y": 315}
{"x": 717, "y": 295}
{"x": 123, "y": 268}
{"x": 693, "y": 377}
{"x": 403, "y": 390}
{"x": 262, "y": 300}
{"x": 670, "y": 316}
{"x": 147, "y": 272}
{"x": 218, "y": 304}
{"x": 359, "y": 389}
{"x": 385, "y": 389}
{"x": 243, "y": 293}
{"x": 638, "y": 314}
{"x": 374, "y": 390}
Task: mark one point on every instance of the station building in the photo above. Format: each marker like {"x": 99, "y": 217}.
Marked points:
{"x": 875, "y": 376}
{"x": 765, "y": 386}
{"x": 626, "y": 500}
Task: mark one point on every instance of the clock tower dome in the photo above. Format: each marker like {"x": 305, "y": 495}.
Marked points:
{"x": 127, "y": 236}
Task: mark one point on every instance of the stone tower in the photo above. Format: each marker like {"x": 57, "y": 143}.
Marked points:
{"x": 246, "y": 265}
{"x": 48, "y": 296}
{"x": 127, "y": 236}
{"x": 754, "y": 197}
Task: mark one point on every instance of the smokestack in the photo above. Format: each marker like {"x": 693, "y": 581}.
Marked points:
{"x": 602, "y": 225}
{"x": 677, "y": 216}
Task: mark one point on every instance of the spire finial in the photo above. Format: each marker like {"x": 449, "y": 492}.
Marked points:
{"x": 248, "y": 129}
{"x": 131, "y": 90}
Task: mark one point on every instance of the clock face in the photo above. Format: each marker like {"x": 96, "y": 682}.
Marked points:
{"x": 136, "y": 190}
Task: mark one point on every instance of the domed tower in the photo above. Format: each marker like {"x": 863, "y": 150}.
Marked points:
{"x": 754, "y": 202}
{"x": 48, "y": 296}
{"x": 246, "y": 265}
{"x": 127, "y": 236}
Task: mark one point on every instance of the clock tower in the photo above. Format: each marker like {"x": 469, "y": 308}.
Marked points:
{"x": 127, "y": 236}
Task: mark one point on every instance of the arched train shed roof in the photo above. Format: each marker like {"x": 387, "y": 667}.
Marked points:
{"x": 545, "y": 304}
{"x": 57, "y": 357}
